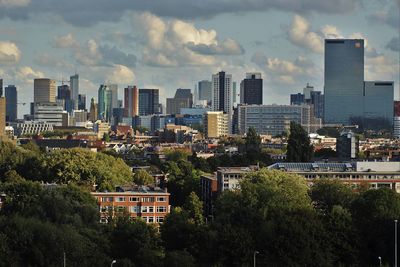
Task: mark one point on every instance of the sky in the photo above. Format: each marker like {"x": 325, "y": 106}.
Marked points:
{"x": 170, "y": 44}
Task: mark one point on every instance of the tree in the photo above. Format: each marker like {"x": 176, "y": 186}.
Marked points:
{"x": 142, "y": 177}
{"x": 194, "y": 207}
{"x": 253, "y": 141}
{"x": 299, "y": 148}
{"x": 106, "y": 137}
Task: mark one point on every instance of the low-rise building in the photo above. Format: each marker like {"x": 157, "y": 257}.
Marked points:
{"x": 31, "y": 127}
{"x": 228, "y": 178}
{"x": 209, "y": 191}
{"x": 150, "y": 204}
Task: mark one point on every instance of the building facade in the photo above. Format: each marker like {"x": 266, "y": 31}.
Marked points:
{"x": 205, "y": 91}
{"x": 131, "y": 101}
{"x": 2, "y": 117}
{"x": 251, "y": 89}
{"x": 11, "y": 95}
{"x": 149, "y": 101}
{"x": 74, "y": 83}
{"x": 49, "y": 113}
{"x": 31, "y": 127}
{"x": 183, "y": 99}
{"x": 105, "y": 103}
{"x": 216, "y": 124}
{"x": 222, "y": 95}
{"x": 44, "y": 90}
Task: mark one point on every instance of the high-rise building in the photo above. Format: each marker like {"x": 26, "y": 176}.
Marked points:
{"x": 222, "y": 95}
{"x": 131, "y": 101}
{"x": 74, "y": 82}
{"x": 378, "y": 103}
{"x": 307, "y": 91}
{"x": 11, "y": 103}
{"x": 93, "y": 115}
{"x": 309, "y": 97}
{"x": 347, "y": 146}
{"x": 44, "y": 91}
{"x": 183, "y": 99}
{"x": 149, "y": 102}
{"x": 317, "y": 100}
{"x": 64, "y": 94}
{"x": 105, "y": 103}
{"x": 1, "y": 87}
{"x": 114, "y": 95}
{"x": 2, "y": 117}
{"x": 49, "y": 112}
{"x": 396, "y": 119}
{"x": 251, "y": 89}
{"x": 205, "y": 91}
{"x": 81, "y": 102}
{"x": 216, "y": 124}
{"x": 297, "y": 99}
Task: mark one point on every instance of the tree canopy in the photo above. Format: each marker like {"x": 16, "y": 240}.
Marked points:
{"x": 299, "y": 148}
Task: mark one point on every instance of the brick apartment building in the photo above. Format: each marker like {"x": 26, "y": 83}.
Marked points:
{"x": 151, "y": 204}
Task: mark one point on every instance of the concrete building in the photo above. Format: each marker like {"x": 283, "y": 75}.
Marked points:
{"x": 347, "y": 146}
{"x": 208, "y": 193}
{"x": 31, "y": 127}
{"x": 275, "y": 119}
{"x": 228, "y": 178}
{"x": 131, "y": 101}
{"x": 149, "y": 102}
{"x": 101, "y": 128}
{"x": 222, "y": 95}
{"x": 374, "y": 174}
{"x": 183, "y": 99}
{"x": 216, "y": 124}
{"x": 80, "y": 118}
{"x": 49, "y": 113}
{"x": 44, "y": 90}
{"x": 205, "y": 91}
{"x": 251, "y": 89}
{"x": 150, "y": 204}
{"x": 11, "y": 95}
{"x": 93, "y": 115}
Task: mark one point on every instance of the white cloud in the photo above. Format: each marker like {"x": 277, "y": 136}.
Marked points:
{"x": 121, "y": 74}
{"x": 27, "y": 74}
{"x": 9, "y": 53}
{"x": 14, "y": 3}
{"x": 65, "y": 41}
{"x": 299, "y": 34}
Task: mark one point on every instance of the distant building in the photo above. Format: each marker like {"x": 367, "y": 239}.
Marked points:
{"x": 114, "y": 95}
{"x": 150, "y": 204}
{"x": 31, "y": 127}
{"x": 74, "y": 83}
{"x": 49, "y": 112}
{"x": 251, "y": 89}
{"x": 131, "y": 101}
{"x": 347, "y": 146}
{"x": 2, "y": 117}
{"x": 208, "y": 193}
{"x": 64, "y": 94}
{"x": 183, "y": 99}
{"x": 101, "y": 128}
{"x": 378, "y": 101}
{"x": 149, "y": 101}
{"x": 82, "y": 102}
{"x": 222, "y": 95}
{"x": 297, "y": 99}
{"x": 93, "y": 111}
{"x": 80, "y": 118}
{"x": 396, "y": 119}
{"x": 44, "y": 91}
{"x": 11, "y": 103}
{"x": 205, "y": 91}
{"x": 216, "y": 124}
{"x": 315, "y": 99}
{"x": 104, "y": 107}
{"x": 228, "y": 178}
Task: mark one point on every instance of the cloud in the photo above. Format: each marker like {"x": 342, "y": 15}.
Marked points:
{"x": 121, "y": 74}
{"x": 9, "y": 53}
{"x": 394, "y": 44}
{"x": 27, "y": 74}
{"x": 299, "y": 34}
{"x": 173, "y": 43}
{"x": 389, "y": 16}
{"x": 65, "y": 41}
{"x": 14, "y": 3}
{"x": 114, "y": 55}
{"x": 89, "y": 12}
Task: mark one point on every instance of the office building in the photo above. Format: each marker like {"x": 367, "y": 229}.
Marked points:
{"x": 275, "y": 119}
{"x": 105, "y": 103}
{"x": 114, "y": 95}
{"x": 149, "y": 102}
{"x": 150, "y": 204}
{"x": 93, "y": 114}
{"x": 2, "y": 117}
{"x": 297, "y": 99}
{"x": 131, "y": 101}
{"x": 81, "y": 102}
{"x": 79, "y": 118}
{"x": 347, "y": 146}
{"x": 309, "y": 97}
{"x": 396, "y": 119}
{"x": 251, "y": 89}
{"x": 183, "y": 99}
{"x": 1, "y": 87}
{"x": 222, "y": 95}
{"x": 44, "y": 90}
{"x": 216, "y": 124}
{"x": 64, "y": 94}
{"x": 378, "y": 102}
{"x": 49, "y": 113}
{"x": 11, "y": 103}
{"x": 31, "y": 127}
{"x": 205, "y": 91}
{"x": 74, "y": 83}
{"x": 317, "y": 101}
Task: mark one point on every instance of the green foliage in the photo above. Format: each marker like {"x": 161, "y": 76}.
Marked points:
{"x": 142, "y": 177}
{"x": 176, "y": 155}
{"x": 325, "y": 153}
{"x": 253, "y": 141}
{"x": 299, "y": 148}
{"x": 179, "y": 258}
{"x": 106, "y": 137}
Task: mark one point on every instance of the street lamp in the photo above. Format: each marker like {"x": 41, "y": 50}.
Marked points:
{"x": 112, "y": 263}
{"x": 254, "y": 257}
{"x": 380, "y": 260}
{"x": 395, "y": 243}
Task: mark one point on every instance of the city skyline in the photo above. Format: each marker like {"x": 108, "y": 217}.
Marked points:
{"x": 155, "y": 47}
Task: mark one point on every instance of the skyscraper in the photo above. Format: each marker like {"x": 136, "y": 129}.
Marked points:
{"x": 344, "y": 80}
{"x": 251, "y": 89}
{"x": 222, "y": 94}
{"x": 114, "y": 95}
{"x": 93, "y": 116}
{"x": 44, "y": 91}
{"x": 131, "y": 101}
{"x": 148, "y": 101}
{"x": 74, "y": 82}
{"x": 183, "y": 99}
{"x": 104, "y": 105}
{"x": 11, "y": 103}
{"x": 2, "y": 117}
{"x": 64, "y": 94}
{"x": 205, "y": 91}
{"x": 1, "y": 87}
{"x": 82, "y": 102}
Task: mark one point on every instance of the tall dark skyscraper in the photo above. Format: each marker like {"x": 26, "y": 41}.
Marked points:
{"x": 251, "y": 89}
{"x": 82, "y": 102}
{"x": 64, "y": 93}
{"x": 11, "y": 103}
{"x": 205, "y": 91}
{"x": 149, "y": 101}
{"x": 344, "y": 80}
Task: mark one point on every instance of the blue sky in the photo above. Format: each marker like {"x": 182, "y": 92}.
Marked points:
{"x": 169, "y": 44}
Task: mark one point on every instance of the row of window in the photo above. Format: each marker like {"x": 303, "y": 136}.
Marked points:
{"x": 151, "y": 219}
{"x": 349, "y": 176}
{"x": 135, "y": 209}
{"x": 134, "y": 199}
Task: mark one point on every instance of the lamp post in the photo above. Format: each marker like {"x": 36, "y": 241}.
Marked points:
{"x": 395, "y": 243}
{"x": 112, "y": 263}
{"x": 380, "y": 260}
{"x": 254, "y": 257}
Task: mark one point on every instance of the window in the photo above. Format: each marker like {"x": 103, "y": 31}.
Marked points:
{"x": 107, "y": 199}
{"x": 134, "y": 209}
{"x": 161, "y": 199}
{"x": 134, "y": 199}
{"x": 105, "y": 208}
{"x": 160, "y": 219}
{"x": 148, "y": 199}
{"x": 120, "y": 199}
{"x": 147, "y": 209}
{"x": 120, "y": 209}
{"x": 103, "y": 220}
{"x": 150, "y": 219}
{"x": 161, "y": 209}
